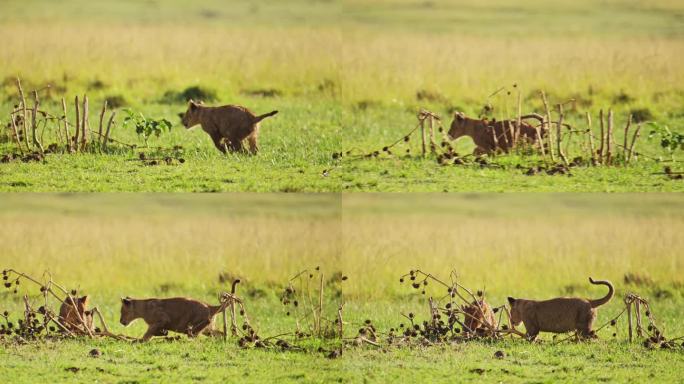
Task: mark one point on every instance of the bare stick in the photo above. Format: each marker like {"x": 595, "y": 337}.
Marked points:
{"x": 609, "y": 138}
{"x": 99, "y": 130}
{"x": 66, "y": 126}
{"x": 84, "y": 124}
{"x": 109, "y": 126}
{"x": 339, "y": 321}
{"x": 558, "y": 134}
{"x": 637, "y": 309}
{"x": 519, "y": 119}
{"x": 16, "y": 134}
{"x": 634, "y": 139}
{"x": 603, "y": 137}
{"x": 591, "y": 139}
{"x": 433, "y": 145}
{"x": 320, "y": 303}
{"x": 33, "y": 122}
{"x": 24, "y": 114}
{"x": 629, "y": 319}
{"x": 78, "y": 123}
{"x": 233, "y": 326}
{"x": 422, "y": 133}
{"x": 624, "y": 143}
{"x": 549, "y": 131}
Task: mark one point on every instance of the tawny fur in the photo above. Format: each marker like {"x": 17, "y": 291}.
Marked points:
{"x": 69, "y": 314}
{"x": 559, "y": 315}
{"x": 483, "y": 133}
{"x": 227, "y": 125}
{"x": 476, "y": 316}
{"x": 178, "y": 314}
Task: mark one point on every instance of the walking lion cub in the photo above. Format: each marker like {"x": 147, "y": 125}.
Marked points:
{"x": 490, "y": 136}
{"x": 227, "y": 125}
{"x": 559, "y": 315}
{"x": 178, "y": 314}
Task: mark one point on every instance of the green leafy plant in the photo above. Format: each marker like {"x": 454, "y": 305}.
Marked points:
{"x": 670, "y": 141}
{"x": 146, "y": 127}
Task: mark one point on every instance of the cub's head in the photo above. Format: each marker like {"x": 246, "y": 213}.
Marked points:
{"x": 457, "y": 126}
{"x": 191, "y": 116}
{"x": 474, "y": 316}
{"x": 516, "y": 311}
{"x": 127, "y": 311}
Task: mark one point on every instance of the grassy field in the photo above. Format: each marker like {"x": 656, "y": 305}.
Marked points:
{"x": 110, "y": 246}
{"x": 526, "y": 246}
{"x": 345, "y": 75}
{"x": 446, "y": 56}
{"x": 530, "y": 246}
{"x": 143, "y": 55}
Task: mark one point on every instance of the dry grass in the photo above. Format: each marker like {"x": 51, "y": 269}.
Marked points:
{"x": 150, "y": 59}
{"x": 184, "y": 243}
{"x": 522, "y": 245}
{"x": 469, "y": 68}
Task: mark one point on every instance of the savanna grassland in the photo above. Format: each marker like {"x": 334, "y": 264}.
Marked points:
{"x": 445, "y": 56}
{"x": 525, "y": 246}
{"x": 151, "y": 57}
{"x": 112, "y": 246}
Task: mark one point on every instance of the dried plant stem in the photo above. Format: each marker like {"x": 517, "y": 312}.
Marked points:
{"x": 603, "y": 137}
{"x": 24, "y": 118}
{"x": 549, "y": 131}
{"x": 422, "y": 133}
{"x": 518, "y": 120}
{"x": 85, "y": 123}
{"x": 99, "y": 130}
{"x": 433, "y": 145}
{"x": 78, "y": 123}
{"x": 320, "y": 304}
{"x": 34, "y": 125}
{"x": 66, "y": 126}
{"x": 634, "y": 139}
{"x": 609, "y": 138}
{"x": 624, "y": 142}
{"x": 16, "y": 134}
{"x": 629, "y": 319}
{"x": 591, "y": 140}
{"x": 109, "y": 126}
{"x": 340, "y": 323}
{"x": 559, "y": 136}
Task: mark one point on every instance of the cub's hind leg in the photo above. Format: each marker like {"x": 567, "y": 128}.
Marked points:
{"x": 253, "y": 141}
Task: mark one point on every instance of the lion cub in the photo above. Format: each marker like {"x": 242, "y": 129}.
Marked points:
{"x": 484, "y": 133}
{"x": 178, "y": 314}
{"x": 476, "y": 316}
{"x": 227, "y": 126}
{"x": 69, "y": 314}
{"x": 559, "y": 315}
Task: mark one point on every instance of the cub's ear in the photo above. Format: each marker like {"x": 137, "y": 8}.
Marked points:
{"x": 125, "y": 300}
{"x": 181, "y": 115}
{"x": 84, "y": 299}
{"x": 459, "y": 116}
{"x": 464, "y": 308}
{"x": 511, "y": 300}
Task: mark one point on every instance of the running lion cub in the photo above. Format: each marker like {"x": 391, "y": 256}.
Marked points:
{"x": 227, "y": 125}
{"x": 178, "y": 314}
{"x": 559, "y": 315}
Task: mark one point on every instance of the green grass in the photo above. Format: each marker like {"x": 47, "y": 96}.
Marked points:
{"x": 164, "y": 245}
{"x": 534, "y": 246}
{"x": 524, "y": 245}
{"x": 347, "y": 75}
{"x": 375, "y": 127}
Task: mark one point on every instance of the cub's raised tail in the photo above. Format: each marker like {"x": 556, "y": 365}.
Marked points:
{"x": 605, "y": 299}
{"x": 265, "y": 115}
